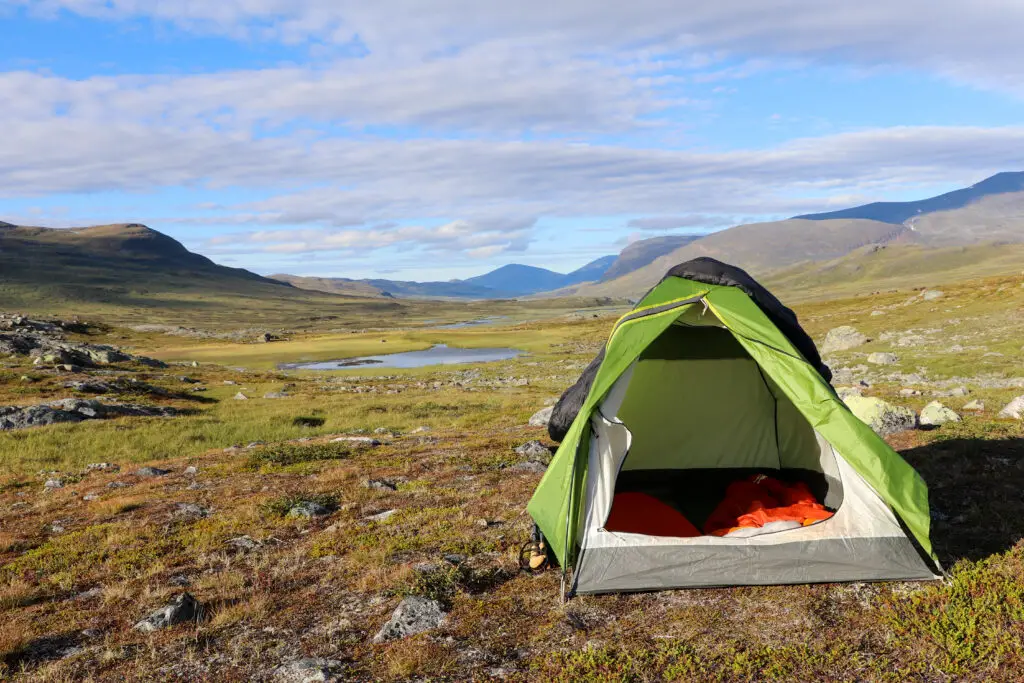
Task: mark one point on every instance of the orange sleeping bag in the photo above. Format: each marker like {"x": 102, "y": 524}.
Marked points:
{"x": 759, "y": 500}
{"x": 639, "y": 513}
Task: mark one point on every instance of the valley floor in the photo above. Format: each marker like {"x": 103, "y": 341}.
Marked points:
{"x": 436, "y": 508}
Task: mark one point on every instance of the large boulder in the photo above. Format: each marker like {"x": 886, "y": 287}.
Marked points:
{"x": 935, "y": 414}
{"x": 413, "y": 615}
{"x": 842, "y": 338}
{"x": 883, "y": 417}
{"x": 1014, "y": 409}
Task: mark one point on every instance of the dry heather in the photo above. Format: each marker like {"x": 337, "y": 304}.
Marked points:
{"x": 81, "y": 564}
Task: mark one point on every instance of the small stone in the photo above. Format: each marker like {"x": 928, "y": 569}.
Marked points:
{"x": 181, "y": 609}
{"x": 191, "y": 471}
{"x": 877, "y": 313}
{"x": 308, "y": 670}
{"x": 179, "y": 580}
{"x": 910, "y": 392}
{"x": 482, "y": 523}
{"x": 308, "y": 510}
{"x": 275, "y": 394}
{"x": 541, "y": 417}
{"x": 117, "y": 485}
{"x": 380, "y": 484}
{"x": 230, "y": 382}
{"x": 90, "y": 497}
{"x": 381, "y": 516}
{"x": 535, "y": 450}
{"x": 935, "y": 414}
{"x": 1014, "y": 409}
{"x": 54, "y": 484}
{"x": 413, "y": 615}
{"x": 57, "y": 528}
{"x": 102, "y": 467}
{"x": 959, "y": 391}
{"x": 195, "y": 364}
{"x": 932, "y": 294}
{"x": 190, "y": 511}
{"x": 974, "y": 405}
{"x": 842, "y": 338}
{"x": 151, "y": 472}
{"x": 381, "y": 430}
{"x": 241, "y": 397}
{"x": 879, "y": 358}
{"x": 420, "y": 430}
{"x": 244, "y": 543}
{"x": 454, "y": 558}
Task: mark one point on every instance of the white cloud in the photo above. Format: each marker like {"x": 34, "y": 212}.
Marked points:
{"x": 975, "y": 42}
{"x": 693, "y": 220}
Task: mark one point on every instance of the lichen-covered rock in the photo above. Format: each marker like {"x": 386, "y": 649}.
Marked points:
{"x": 842, "y": 338}
{"x": 1014, "y": 409}
{"x": 181, "y": 609}
{"x": 413, "y": 615}
{"x": 307, "y": 510}
{"x": 935, "y": 414}
{"x": 879, "y": 358}
{"x": 151, "y": 472}
{"x": 883, "y": 417}
{"x": 976, "y": 404}
{"x": 932, "y": 294}
{"x": 536, "y": 451}
{"x": 308, "y": 670}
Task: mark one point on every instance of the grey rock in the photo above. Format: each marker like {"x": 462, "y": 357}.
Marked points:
{"x": 244, "y": 543}
{"x": 845, "y": 392}
{"x": 308, "y": 510}
{"x": 90, "y": 497}
{"x": 541, "y": 417}
{"x": 974, "y": 405}
{"x": 54, "y": 484}
{"x": 308, "y": 670}
{"x": 275, "y": 394}
{"x": 932, "y": 294}
{"x": 380, "y": 484}
{"x": 910, "y": 392}
{"x": 879, "y": 358}
{"x": 413, "y": 615}
{"x": 454, "y": 558}
{"x": 1014, "y": 409}
{"x": 191, "y": 471}
{"x": 241, "y": 397}
{"x": 190, "y": 511}
{"x": 420, "y": 430}
{"x": 151, "y": 472}
{"x": 935, "y": 414}
{"x": 182, "y": 608}
{"x": 381, "y": 430}
{"x": 117, "y": 485}
{"x": 101, "y": 467}
{"x": 535, "y": 450}
{"x": 842, "y": 338}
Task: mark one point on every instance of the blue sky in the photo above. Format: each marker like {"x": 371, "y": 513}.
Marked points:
{"x": 432, "y": 140}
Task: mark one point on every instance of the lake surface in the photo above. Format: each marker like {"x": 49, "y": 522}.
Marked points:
{"x": 441, "y": 354}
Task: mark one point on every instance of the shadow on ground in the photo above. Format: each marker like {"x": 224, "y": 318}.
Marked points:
{"x": 976, "y": 493}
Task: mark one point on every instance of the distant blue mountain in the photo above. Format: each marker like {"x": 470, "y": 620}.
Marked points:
{"x": 899, "y": 212}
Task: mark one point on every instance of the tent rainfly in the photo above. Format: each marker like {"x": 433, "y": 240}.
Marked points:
{"x": 708, "y": 381}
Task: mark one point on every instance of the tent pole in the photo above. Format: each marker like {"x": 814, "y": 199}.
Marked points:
{"x": 568, "y": 517}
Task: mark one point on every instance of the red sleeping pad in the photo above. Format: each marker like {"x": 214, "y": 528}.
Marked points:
{"x": 639, "y": 513}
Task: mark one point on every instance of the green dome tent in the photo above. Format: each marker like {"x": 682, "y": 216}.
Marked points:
{"x": 708, "y": 380}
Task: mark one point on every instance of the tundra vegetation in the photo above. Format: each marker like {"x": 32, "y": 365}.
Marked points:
{"x": 274, "y": 537}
